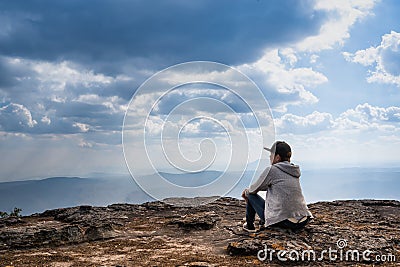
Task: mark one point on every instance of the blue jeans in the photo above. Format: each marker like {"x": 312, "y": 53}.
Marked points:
{"x": 255, "y": 204}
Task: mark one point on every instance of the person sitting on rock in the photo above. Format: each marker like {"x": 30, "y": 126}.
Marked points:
{"x": 284, "y": 205}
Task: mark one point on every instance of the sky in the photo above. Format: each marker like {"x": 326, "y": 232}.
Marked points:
{"x": 69, "y": 70}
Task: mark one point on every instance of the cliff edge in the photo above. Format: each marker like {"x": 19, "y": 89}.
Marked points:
{"x": 345, "y": 233}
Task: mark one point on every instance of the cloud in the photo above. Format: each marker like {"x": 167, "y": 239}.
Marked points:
{"x": 362, "y": 118}
{"x": 367, "y": 112}
{"x": 367, "y": 117}
{"x": 171, "y": 31}
{"x": 359, "y": 136}
{"x": 191, "y": 100}
{"x": 50, "y": 79}
{"x": 69, "y": 68}
{"x": 384, "y": 60}
{"x": 311, "y": 123}
{"x": 281, "y": 72}
{"x": 284, "y": 84}
{"x": 81, "y": 126}
{"x": 45, "y": 97}
{"x": 81, "y": 70}
{"x": 342, "y": 14}
{"x": 202, "y": 127}
{"x": 15, "y": 117}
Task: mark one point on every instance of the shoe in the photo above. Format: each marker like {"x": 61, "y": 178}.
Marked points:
{"x": 249, "y": 228}
{"x": 262, "y": 228}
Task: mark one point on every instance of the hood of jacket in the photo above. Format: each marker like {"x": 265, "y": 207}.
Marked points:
{"x": 289, "y": 168}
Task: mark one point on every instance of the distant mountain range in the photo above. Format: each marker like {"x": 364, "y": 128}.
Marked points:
{"x": 38, "y": 195}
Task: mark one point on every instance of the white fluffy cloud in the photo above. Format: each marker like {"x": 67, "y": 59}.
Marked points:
{"x": 279, "y": 74}
{"x": 15, "y": 117}
{"x": 358, "y": 136}
{"x": 384, "y": 59}
{"x": 310, "y": 123}
{"x": 282, "y": 83}
{"x": 343, "y": 14}
{"x": 364, "y": 117}
{"x": 367, "y": 112}
{"x": 368, "y": 117}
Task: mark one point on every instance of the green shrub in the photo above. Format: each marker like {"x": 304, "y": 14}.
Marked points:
{"x": 15, "y": 213}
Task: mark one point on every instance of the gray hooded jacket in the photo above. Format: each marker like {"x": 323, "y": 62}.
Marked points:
{"x": 284, "y": 197}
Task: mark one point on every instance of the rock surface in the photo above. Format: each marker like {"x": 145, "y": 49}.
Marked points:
{"x": 158, "y": 234}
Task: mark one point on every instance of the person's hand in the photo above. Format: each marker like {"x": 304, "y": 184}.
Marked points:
{"x": 244, "y": 195}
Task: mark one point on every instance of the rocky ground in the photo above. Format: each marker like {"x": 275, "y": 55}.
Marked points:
{"x": 159, "y": 234}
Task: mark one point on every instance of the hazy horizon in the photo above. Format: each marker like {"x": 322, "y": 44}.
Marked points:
{"x": 251, "y": 166}
{"x": 55, "y": 192}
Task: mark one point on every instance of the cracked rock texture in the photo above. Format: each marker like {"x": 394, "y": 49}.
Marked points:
{"x": 159, "y": 234}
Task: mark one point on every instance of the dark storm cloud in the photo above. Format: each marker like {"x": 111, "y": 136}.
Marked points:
{"x": 171, "y": 31}
{"x": 10, "y": 74}
{"x": 128, "y": 39}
